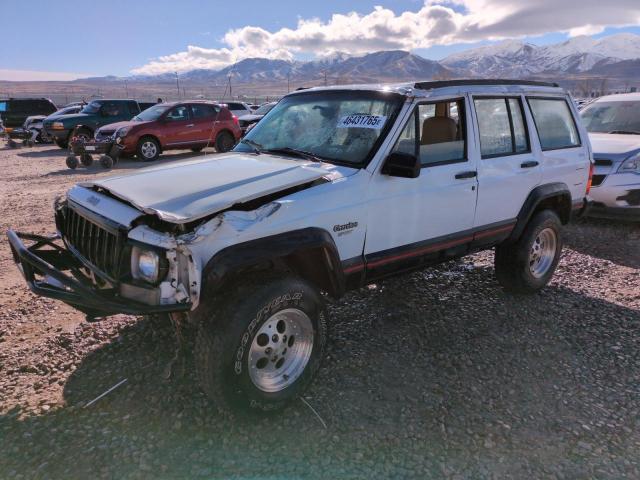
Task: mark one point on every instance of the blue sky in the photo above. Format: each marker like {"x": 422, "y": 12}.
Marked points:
{"x": 113, "y": 38}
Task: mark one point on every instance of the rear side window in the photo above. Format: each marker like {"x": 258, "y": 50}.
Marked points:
{"x": 502, "y": 127}
{"x": 200, "y": 110}
{"x": 554, "y": 122}
{"x": 3, "y": 106}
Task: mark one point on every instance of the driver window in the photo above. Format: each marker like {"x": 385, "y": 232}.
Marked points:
{"x": 178, "y": 113}
{"x": 435, "y": 133}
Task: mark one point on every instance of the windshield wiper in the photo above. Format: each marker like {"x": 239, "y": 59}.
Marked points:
{"x": 294, "y": 151}
{"x": 623, "y": 132}
{"x": 257, "y": 148}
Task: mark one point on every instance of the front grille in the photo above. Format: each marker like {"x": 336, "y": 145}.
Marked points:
{"x": 99, "y": 246}
{"x": 104, "y": 134}
{"x": 597, "y": 180}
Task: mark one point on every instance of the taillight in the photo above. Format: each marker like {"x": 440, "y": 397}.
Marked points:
{"x": 590, "y": 180}
{"x": 235, "y": 120}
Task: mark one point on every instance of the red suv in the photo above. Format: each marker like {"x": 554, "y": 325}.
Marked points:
{"x": 175, "y": 125}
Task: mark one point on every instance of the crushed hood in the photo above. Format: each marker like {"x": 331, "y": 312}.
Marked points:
{"x": 182, "y": 192}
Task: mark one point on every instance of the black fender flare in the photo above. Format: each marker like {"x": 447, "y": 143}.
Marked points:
{"x": 309, "y": 252}
{"x": 556, "y": 192}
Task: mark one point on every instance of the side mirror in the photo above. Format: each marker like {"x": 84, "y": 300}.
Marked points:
{"x": 400, "y": 164}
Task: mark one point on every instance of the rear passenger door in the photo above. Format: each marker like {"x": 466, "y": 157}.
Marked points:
{"x": 204, "y": 120}
{"x": 565, "y": 158}
{"x": 508, "y": 166}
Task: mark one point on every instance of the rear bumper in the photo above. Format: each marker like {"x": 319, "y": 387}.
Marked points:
{"x": 43, "y": 265}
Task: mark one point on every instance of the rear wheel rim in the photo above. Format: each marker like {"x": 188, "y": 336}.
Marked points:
{"x": 226, "y": 143}
{"x": 148, "y": 149}
{"x": 543, "y": 252}
{"x": 280, "y": 350}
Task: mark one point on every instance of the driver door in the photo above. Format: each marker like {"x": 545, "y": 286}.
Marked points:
{"x": 414, "y": 220}
{"x": 178, "y": 126}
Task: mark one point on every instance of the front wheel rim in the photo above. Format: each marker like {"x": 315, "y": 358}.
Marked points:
{"x": 543, "y": 252}
{"x": 280, "y": 350}
{"x": 148, "y": 149}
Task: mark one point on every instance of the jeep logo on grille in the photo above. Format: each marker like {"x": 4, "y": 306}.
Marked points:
{"x": 346, "y": 226}
{"x": 93, "y": 200}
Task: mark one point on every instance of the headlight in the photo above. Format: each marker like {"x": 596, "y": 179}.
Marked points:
{"x": 631, "y": 165}
{"x": 57, "y": 126}
{"x": 148, "y": 265}
{"x": 121, "y": 132}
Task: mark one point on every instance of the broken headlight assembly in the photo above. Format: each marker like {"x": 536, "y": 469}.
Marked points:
{"x": 631, "y": 164}
{"x": 148, "y": 265}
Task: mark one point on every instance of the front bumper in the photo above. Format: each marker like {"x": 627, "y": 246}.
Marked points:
{"x": 44, "y": 264}
{"x": 617, "y": 197}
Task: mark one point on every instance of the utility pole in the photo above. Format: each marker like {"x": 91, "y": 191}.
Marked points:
{"x": 289, "y": 81}
{"x": 178, "y": 85}
{"x": 325, "y": 78}
{"x": 126, "y": 90}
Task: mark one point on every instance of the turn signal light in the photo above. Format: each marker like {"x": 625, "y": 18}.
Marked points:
{"x": 235, "y": 120}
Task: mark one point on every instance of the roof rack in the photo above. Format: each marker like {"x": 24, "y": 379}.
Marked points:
{"x": 460, "y": 83}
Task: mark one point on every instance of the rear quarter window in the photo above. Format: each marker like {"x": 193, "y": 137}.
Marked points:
{"x": 3, "y": 106}
{"x": 554, "y": 122}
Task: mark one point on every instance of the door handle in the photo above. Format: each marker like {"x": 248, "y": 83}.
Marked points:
{"x": 190, "y": 125}
{"x": 529, "y": 164}
{"x": 469, "y": 174}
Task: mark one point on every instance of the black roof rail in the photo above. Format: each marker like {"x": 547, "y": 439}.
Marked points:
{"x": 461, "y": 83}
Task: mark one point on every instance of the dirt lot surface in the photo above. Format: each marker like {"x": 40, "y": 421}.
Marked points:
{"x": 437, "y": 374}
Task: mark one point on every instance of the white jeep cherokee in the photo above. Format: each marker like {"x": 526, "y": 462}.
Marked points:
{"x": 334, "y": 188}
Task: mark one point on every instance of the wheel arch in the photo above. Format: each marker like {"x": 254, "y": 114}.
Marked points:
{"x": 149, "y": 135}
{"x": 310, "y": 253}
{"x": 551, "y": 196}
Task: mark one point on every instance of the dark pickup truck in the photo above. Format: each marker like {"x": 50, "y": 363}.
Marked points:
{"x": 93, "y": 116}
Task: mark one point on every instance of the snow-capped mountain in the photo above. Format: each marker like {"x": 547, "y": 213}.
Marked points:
{"x": 340, "y": 67}
{"x": 517, "y": 59}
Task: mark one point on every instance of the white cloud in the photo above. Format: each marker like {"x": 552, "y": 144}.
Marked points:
{"x": 437, "y": 22}
{"x": 34, "y": 75}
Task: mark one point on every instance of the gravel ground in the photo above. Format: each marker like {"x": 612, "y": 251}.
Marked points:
{"x": 437, "y": 374}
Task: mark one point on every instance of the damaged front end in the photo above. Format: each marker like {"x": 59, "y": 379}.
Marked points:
{"x": 126, "y": 263}
{"x": 94, "y": 265}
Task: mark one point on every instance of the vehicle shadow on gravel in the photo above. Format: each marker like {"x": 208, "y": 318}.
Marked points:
{"x": 434, "y": 374}
{"x": 44, "y": 151}
{"x": 618, "y": 242}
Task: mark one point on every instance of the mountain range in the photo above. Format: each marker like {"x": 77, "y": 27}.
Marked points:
{"x": 614, "y": 57}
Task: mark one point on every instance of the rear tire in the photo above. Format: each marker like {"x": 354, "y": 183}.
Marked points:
{"x": 527, "y": 265}
{"x": 260, "y": 348}
{"x": 148, "y": 149}
{"x": 224, "y": 142}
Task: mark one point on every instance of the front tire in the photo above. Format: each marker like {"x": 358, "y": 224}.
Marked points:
{"x": 148, "y": 149}
{"x": 260, "y": 348}
{"x": 527, "y": 265}
{"x": 61, "y": 143}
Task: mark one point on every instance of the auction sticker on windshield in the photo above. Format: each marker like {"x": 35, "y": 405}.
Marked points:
{"x": 362, "y": 120}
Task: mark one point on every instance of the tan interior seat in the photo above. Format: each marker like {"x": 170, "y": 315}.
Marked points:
{"x": 440, "y": 128}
